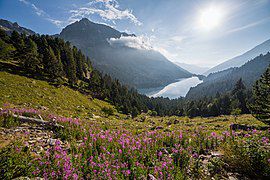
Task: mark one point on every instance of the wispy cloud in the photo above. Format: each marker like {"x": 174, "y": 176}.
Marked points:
{"x": 250, "y": 25}
{"x": 108, "y": 10}
{"x": 42, "y": 13}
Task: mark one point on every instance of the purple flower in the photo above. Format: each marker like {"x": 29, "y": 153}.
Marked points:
{"x": 213, "y": 134}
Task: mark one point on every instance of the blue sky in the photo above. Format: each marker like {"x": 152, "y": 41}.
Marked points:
{"x": 173, "y": 27}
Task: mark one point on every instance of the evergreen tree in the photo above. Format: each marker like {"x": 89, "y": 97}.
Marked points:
{"x": 240, "y": 96}
{"x": 6, "y": 50}
{"x": 79, "y": 59}
{"x": 69, "y": 63}
{"x": 4, "y": 36}
{"x": 30, "y": 57}
{"x": 53, "y": 66}
{"x": 239, "y": 86}
{"x": 18, "y": 42}
{"x": 134, "y": 112}
{"x": 261, "y": 93}
{"x": 225, "y": 105}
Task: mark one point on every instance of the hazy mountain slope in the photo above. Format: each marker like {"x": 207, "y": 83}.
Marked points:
{"x": 9, "y": 27}
{"x": 140, "y": 68}
{"x": 242, "y": 59}
{"x": 192, "y": 68}
{"x": 225, "y": 80}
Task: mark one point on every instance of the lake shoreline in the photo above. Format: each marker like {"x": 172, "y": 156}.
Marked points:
{"x": 173, "y": 90}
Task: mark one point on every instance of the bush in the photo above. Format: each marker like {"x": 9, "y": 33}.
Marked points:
{"x": 108, "y": 111}
{"x": 15, "y": 161}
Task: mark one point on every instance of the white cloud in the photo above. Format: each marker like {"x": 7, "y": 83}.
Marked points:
{"x": 38, "y": 11}
{"x": 177, "y": 39}
{"x": 108, "y": 10}
{"x": 58, "y": 23}
{"x": 140, "y": 42}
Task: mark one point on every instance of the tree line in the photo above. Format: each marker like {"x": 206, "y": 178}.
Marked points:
{"x": 63, "y": 64}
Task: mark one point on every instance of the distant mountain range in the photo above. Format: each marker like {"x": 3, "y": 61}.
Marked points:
{"x": 122, "y": 56}
{"x": 224, "y": 81}
{"x": 242, "y": 59}
{"x": 192, "y": 68}
{"x": 9, "y": 27}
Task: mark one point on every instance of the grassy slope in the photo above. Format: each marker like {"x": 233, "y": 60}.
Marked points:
{"x": 27, "y": 92}
{"x": 21, "y": 91}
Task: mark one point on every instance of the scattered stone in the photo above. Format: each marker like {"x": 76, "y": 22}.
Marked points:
{"x": 51, "y": 141}
{"x": 216, "y": 154}
{"x": 164, "y": 151}
{"x": 95, "y": 117}
{"x": 39, "y": 150}
{"x": 151, "y": 177}
{"x": 27, "y": 178}
{"x": 32, "y": 141}
{"x": 22, "y": 178}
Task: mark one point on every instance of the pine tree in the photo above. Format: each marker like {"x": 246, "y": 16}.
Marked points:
{"x": 18, "y": 42}
{"x": 6, "y": 50}
{"x": 79, "y": 59}
{"x": 69, "y": 64}
{"x": 53, "y": 66}
{"x": 239, "y": 86}
{"x": 30, "y": 57}
{"x": 239, "y": 92}
{"x": 261, "y": 93}
{"x": 134, "y": 112}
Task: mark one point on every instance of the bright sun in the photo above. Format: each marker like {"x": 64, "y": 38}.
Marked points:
{"x": 211, "y": 18}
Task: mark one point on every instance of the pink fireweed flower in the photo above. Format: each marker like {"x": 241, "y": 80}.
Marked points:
{"x": 195, "y": 155}
{"x": 265, "y": 140}
{"x": 164, "y": 164}
{"x": 127, "y": 172}
{"x": 181, "y": 135}
{"x": 75, "y": 176}
{"x": 159, "y": 153}
{"x": 214, "y": 134}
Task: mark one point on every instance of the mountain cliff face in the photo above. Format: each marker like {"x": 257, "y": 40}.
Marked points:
{"x": 224, "y": 81}
{"x": 137, "y": 67}
{"x": 9, "y": 27}
{"x": 242, "y": 59}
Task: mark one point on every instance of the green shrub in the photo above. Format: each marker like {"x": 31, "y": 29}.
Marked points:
{"x": 15, "y": 161}
{"x": 108, "y": 111}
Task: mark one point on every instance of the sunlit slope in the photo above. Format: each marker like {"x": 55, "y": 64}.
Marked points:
{"x": 27, "y": 92}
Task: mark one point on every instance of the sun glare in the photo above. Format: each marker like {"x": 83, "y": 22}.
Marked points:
{"x": 211, "y": 17}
